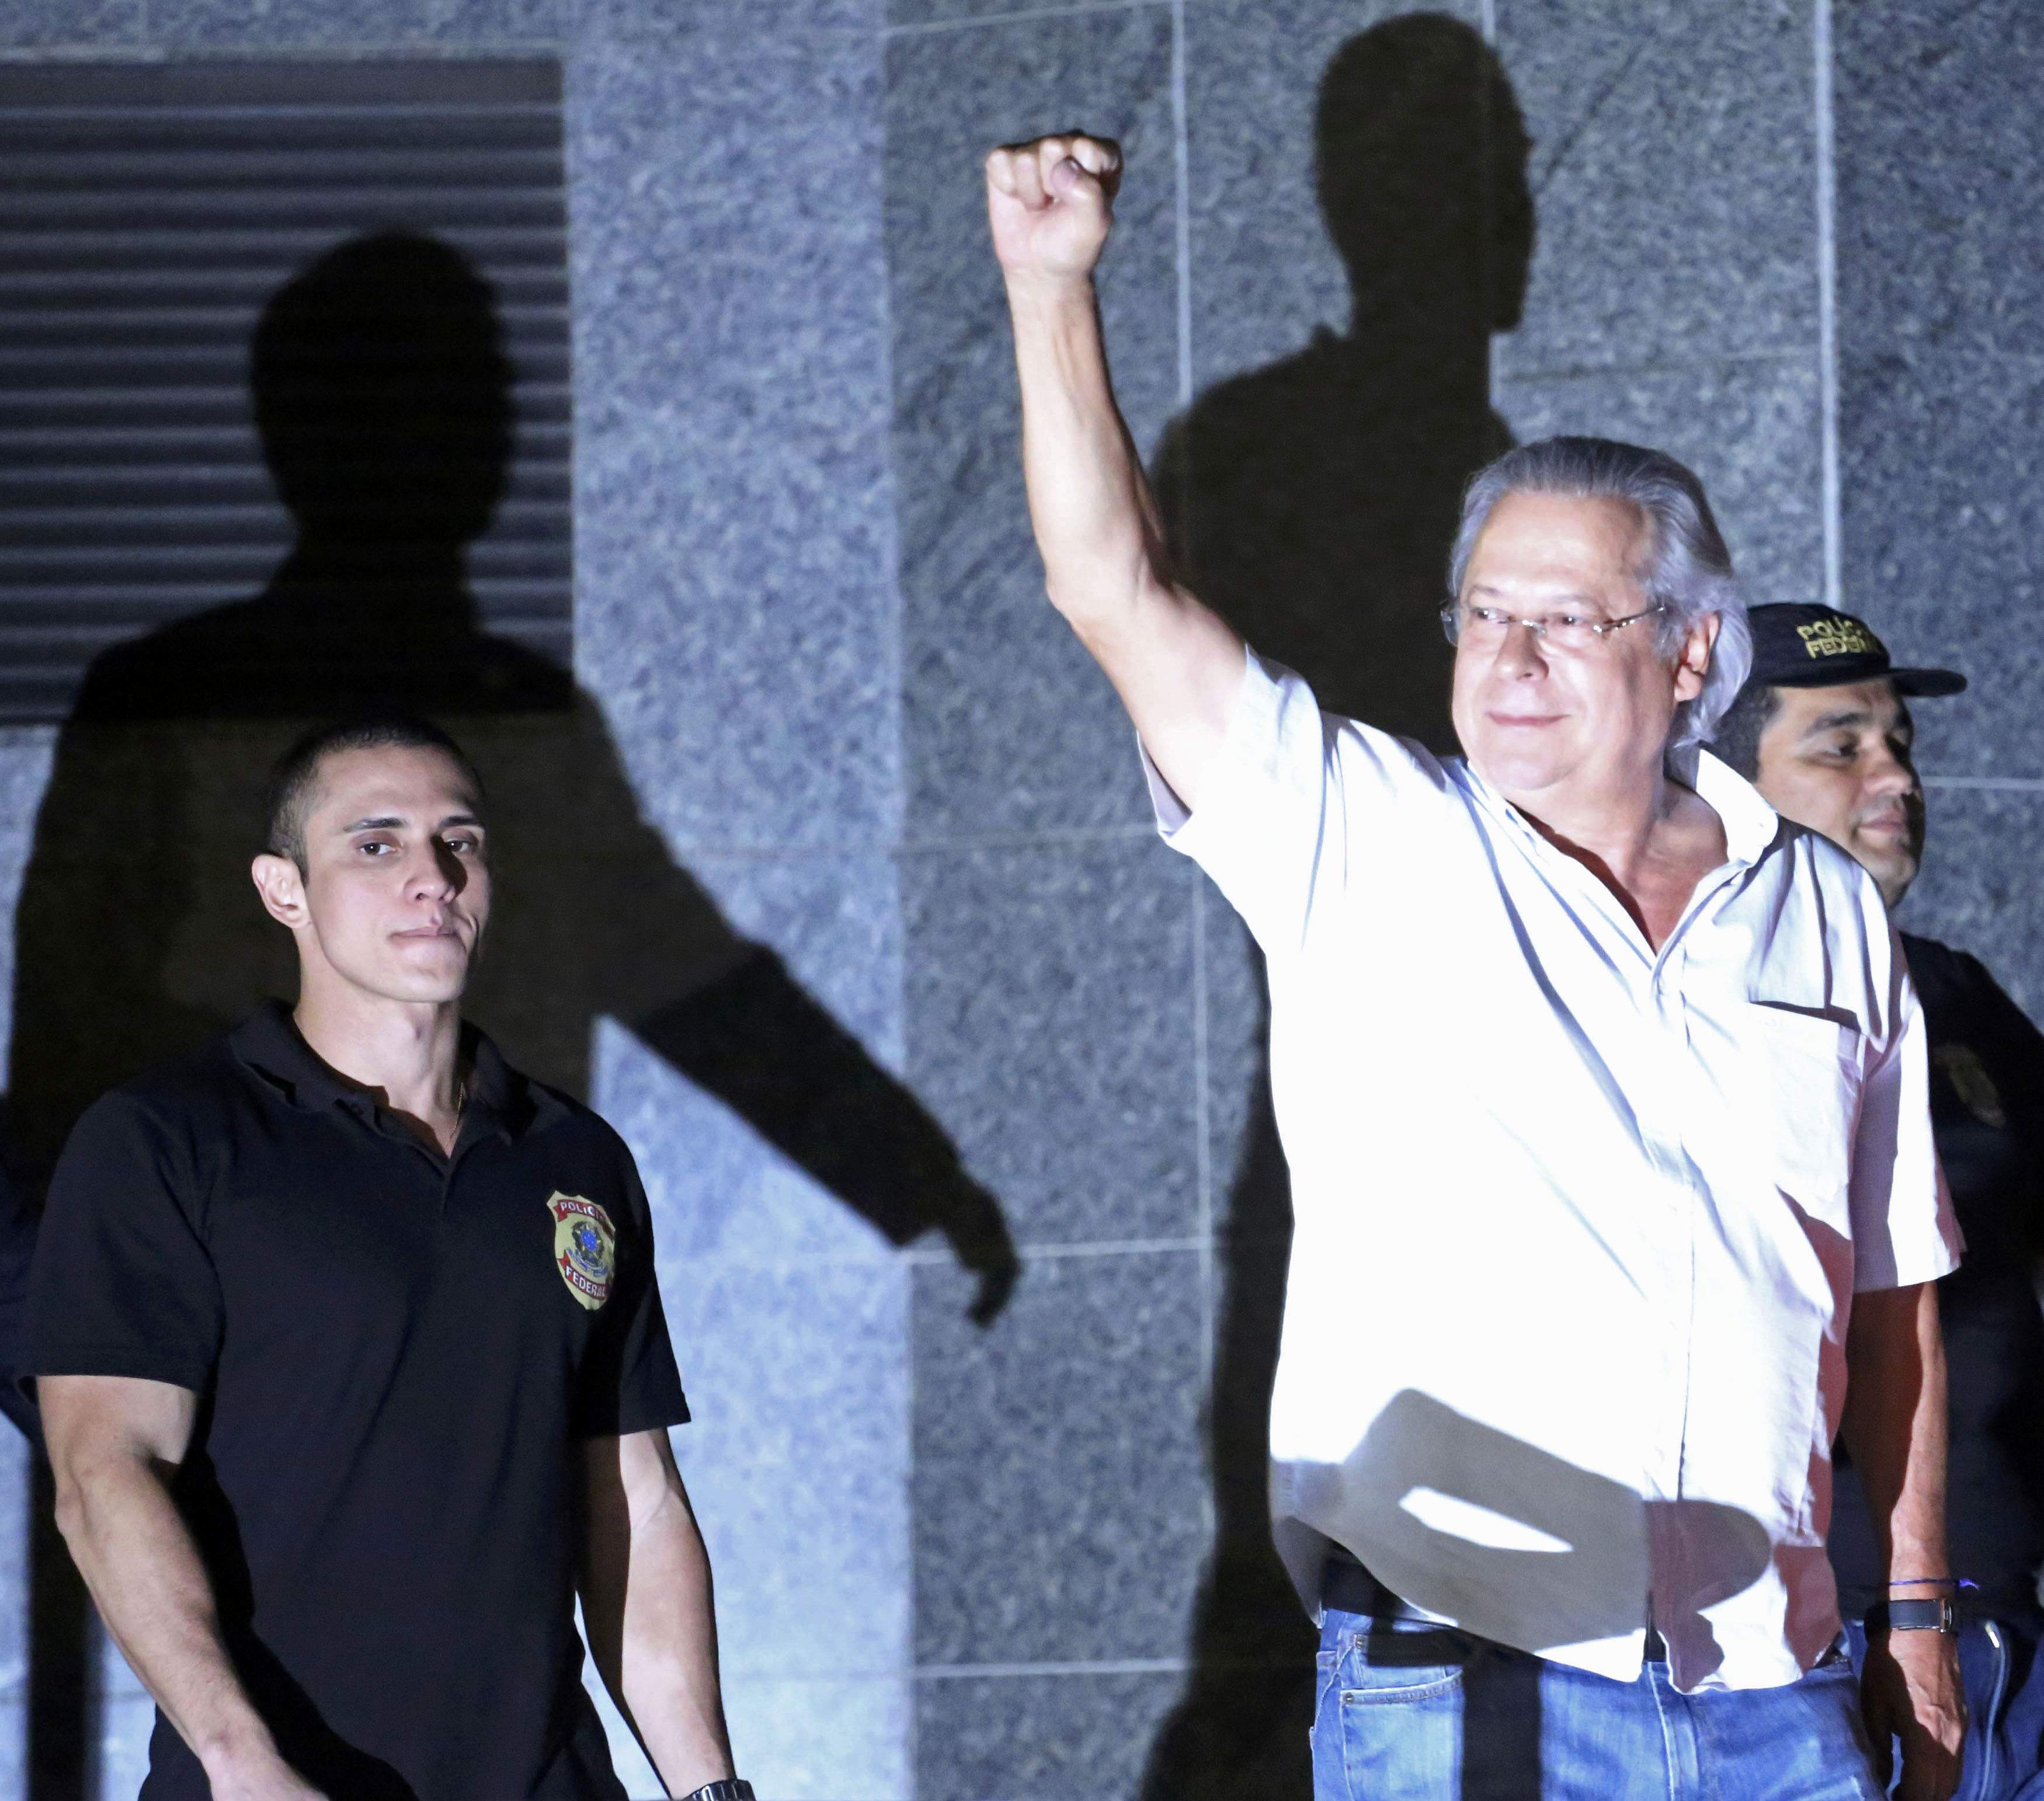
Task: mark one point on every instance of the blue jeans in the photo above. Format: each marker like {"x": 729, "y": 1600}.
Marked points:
{"x": 1407, "y": 1711}
{"x": 2004, "y": 1679}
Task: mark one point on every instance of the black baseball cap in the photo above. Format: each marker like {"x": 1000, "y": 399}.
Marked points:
{"x": 1799, "y": 645}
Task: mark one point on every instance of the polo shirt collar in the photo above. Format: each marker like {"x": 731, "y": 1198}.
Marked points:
{"x": 269, "y": 1042}
{"x": 1751, "y": 826}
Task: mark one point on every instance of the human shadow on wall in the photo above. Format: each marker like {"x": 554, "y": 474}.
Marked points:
{"x": 1313, "y": 504}
{"x": 384, "y": 401}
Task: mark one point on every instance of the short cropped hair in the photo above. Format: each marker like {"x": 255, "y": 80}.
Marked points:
{"x": 1737, "y": 739}
{"x": 294, "y": 780}
{"x": 1689, "y": 570}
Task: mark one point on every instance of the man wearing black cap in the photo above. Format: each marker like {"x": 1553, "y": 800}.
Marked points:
{"x": 1822, "y": 729}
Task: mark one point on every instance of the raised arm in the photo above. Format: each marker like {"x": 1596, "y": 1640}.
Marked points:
{"x": 1176, "y": 665}
{"x": 114, "y": 1443}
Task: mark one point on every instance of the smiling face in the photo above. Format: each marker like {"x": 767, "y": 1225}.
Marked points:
{"x": 1838, "y": 761}
{"x": 395, "y": 893}
{"x": 1536, "y": 718}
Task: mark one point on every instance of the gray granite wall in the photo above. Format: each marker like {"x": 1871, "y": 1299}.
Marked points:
{"x": 1027, "y": 1562}
{"x": 1940, "y": 425}
{"x": 737, "y": 624}
{"x": 1088, "y": 1518}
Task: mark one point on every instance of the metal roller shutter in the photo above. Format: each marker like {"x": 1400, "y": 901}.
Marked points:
{"x": 148, "y": 216}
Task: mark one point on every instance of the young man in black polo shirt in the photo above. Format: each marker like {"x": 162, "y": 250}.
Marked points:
{"x": 1823, "y": 731}
{"x": 353, "y": 1363}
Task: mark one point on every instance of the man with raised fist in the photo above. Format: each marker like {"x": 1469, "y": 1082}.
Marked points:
{"x": 1604, "y": 1093}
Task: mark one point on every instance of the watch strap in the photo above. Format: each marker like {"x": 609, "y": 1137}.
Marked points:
{"x": 726, "y": 1788}
{"x": 1937, "y": 1615}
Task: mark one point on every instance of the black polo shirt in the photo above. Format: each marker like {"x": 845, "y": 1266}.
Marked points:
{"x": 395, "y": 1353}
{"x": 1987, "y": 1111}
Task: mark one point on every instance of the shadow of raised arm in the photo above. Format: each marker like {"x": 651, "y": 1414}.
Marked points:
{"x": 756, "y": 1039}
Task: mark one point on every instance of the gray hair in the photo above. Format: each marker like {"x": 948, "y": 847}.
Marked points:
{"x": 1688, "y": 570}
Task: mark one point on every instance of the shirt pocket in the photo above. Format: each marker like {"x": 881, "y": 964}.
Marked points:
{"x": 1803, "y": 1075}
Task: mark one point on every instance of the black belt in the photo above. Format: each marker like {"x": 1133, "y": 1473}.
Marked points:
{"x": 1346, "y": 1586}
{"x": 1350, "y": 1588}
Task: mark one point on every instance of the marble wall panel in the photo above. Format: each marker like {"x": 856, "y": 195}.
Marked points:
{"x": 1238, "y": 1083}
{"x": 126, "y": 1720}
{"x": 819, "y": 1015}
{"x": 1238, "y": 1731}
{"x": 1674, "y": 179}
{"x": 658, "y": 25}
{"x": 1941, "y": 411}
{"x": 718, "y": 1188}
{"x": 454, "y": 24}
{"x": 788, "y": 1314}
{"x": 1943, "y": 474}
{"x": 1050, "y": 1028}
{"x": 260, "y": 25}
{"x": 797, "y": 1451}
{"x": 733, "y": 536}
{"x": 1271, "y": 100}
{"x": 38, "y": 25}
{"x": 1344, "y": 250}
{"x": 812, "y": 1739}
{"x": 1939, "y": 166}
{"x": 834, "y": 921}
{"x": 1008, "y": 726}
{"x": 1059, "y": 1502}
{"x": 824, "y": 1738}
{"x": 1080, "y": 1736}
{"x": 909, "y": 16}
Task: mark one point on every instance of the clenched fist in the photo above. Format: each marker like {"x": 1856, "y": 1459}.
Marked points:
{"x": 1050, "y": 204}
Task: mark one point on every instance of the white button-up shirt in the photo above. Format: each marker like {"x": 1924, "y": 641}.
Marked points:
{"x": 1578, "y": 1224}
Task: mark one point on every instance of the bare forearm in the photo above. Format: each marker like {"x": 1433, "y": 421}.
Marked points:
{"x": 1095, "y": 522}
{"x": 146, "y": 1577}
{"x": 1895, "y": 1426}
{"x": 669, "y": 1673}
{"x": 1911, "y": 1687}
{"x": 646, "y": 1600}
{"x": 1177, "y": 666}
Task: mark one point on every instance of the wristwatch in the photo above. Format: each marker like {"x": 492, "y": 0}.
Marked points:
{"x": 727, "y": 1788}
{"x": 1939, "y": 1616}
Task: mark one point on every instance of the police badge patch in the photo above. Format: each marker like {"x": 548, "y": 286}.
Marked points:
{"x": 585, "y": 1248}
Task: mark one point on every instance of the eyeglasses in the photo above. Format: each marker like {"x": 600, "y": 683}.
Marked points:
{"x": 1486, "y": 627}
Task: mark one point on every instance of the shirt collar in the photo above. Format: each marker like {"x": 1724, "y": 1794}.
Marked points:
{"x": 1751, "y": 826}
{"x": 269, "y": 1042}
